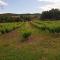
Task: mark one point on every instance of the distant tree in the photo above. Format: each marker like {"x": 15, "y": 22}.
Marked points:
{"x": 51, "y": 14}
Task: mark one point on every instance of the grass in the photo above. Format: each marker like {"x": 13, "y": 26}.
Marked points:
{"x": 41, "y": 47}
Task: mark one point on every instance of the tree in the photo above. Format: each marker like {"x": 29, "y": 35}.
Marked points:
{"x": 51, "y": 14}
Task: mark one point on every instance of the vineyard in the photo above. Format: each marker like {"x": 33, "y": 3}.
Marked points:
{"x": 7, "y": 27}
{"x": 48, "y": 26}
{"x": 33, "y": 40}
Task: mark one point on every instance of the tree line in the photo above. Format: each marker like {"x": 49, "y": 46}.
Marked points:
{"x": 53, "y": 14}
{"x": 9, "y": 17}
{"x": 13, "y": 17}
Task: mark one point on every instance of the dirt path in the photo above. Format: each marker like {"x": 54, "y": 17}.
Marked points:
{"x": 10, "y": 35}
{"x": 11, "y": 38}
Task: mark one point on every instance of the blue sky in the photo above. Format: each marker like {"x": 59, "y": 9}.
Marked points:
{"x": 27, "y": 6}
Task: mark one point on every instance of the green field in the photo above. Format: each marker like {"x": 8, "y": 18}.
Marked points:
{"x": 43, "y": 42}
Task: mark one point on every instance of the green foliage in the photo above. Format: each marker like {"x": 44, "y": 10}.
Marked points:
{"x": 48, "y": 26}
{"x": 25, "y": 35}
{"x": 7, "y": 27}
{"x": 53, "y": 14}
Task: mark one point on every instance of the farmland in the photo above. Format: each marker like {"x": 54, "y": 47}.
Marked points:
{"x": 48, "y": 26}
{"x": 33, "y": 40}
{"x": 7, "y": 27}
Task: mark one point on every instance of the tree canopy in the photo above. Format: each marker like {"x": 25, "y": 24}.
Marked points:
{"x": 51, "y": 14}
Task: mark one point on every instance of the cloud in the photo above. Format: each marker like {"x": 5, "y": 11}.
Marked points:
{"x": 2, "y": 3}
{"x": 48, "y": 4}
{"x": 50, "y": 0}
{"x": 44, "y": 3}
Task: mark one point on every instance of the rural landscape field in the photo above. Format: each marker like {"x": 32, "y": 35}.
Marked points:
{"x": 30, "y": 40}
{"x": 29, "y": 30}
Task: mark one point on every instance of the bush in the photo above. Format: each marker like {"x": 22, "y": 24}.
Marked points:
{"x": 2, "y": 31}
{"x": 25, "y": 35}
{"x": 7, "y": 30}
{"x": 57, "y": 30}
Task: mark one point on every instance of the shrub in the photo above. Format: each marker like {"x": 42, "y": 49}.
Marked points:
{"x": 7, "y": 30}
{"x": 57, "y": 30}
{"x": 2, "y": 31}
{"x": 25, "y": 35}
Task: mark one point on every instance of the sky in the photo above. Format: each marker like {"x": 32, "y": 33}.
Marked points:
{"x": 27, "y": 6}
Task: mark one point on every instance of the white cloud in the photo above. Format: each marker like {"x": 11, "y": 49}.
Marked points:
{"x": 50, "y": 0}
{"x": 48, "y": 6}
{"x": 2, "y": 3}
